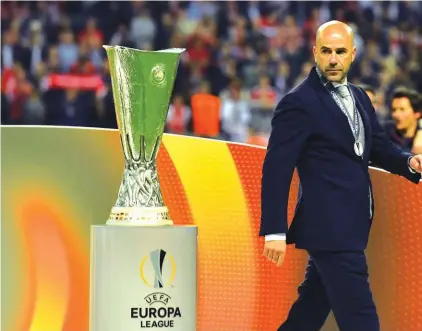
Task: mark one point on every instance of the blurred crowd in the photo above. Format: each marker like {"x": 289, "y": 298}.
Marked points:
{"x": 241, "y": 58}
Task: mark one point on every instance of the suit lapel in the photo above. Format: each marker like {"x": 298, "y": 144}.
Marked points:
{"x": 343, "y": 124}
{"x": 326, "y": 98}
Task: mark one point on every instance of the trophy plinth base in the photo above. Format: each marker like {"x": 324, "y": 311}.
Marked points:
{"x": 136, "y": 216}
{"x": 143, "y": 278}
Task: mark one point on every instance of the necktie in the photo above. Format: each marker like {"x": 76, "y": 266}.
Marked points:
{"x": 343, "y": 91}
{"x": 344, "y": 94}
{"x": 346, "y": 103}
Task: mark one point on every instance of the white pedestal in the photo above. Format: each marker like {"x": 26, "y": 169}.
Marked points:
{"x": 143, "y": 278}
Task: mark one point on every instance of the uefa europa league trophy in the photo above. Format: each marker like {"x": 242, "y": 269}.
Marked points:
{"x": 142, "y": 83}
{"x": 143, "y": 274}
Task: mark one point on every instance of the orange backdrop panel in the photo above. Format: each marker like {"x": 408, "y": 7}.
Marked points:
{"x": 57, "y": 182}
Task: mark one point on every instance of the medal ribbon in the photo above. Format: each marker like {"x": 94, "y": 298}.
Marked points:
{"x": 354, "y": 126}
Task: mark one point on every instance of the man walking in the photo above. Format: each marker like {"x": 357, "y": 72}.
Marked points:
{"x": 327, "y": 128}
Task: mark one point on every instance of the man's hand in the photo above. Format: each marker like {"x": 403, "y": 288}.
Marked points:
{"x": 416, "y": 163}
{"x": 275, "y": 250}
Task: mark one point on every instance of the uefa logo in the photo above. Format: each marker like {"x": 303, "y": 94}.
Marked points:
{"x": 158, "y": 269}
{"x": 158, "y": 75}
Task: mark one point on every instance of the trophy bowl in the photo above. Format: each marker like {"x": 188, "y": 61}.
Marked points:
{"x": 142, "y": 84}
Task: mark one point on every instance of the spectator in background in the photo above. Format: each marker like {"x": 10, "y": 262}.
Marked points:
{"x": 54, "y": 63}
{"x": 84, "y": 65}
{"x": 34, "y": 110}
{"x": 91, "y": 35}
{"x": 179, "y": 115}
{"x": 282, "y": 82}
{"x": 225, "y": 40}
{"x": 75, "y": 109}
{"x": 382, "y": 114}
{"x": 264, "y": 96}
{"x": 235, "y": 114}
{"x": 122, "y": 37}
{"x": 371, "y": 94}
{"x": 143, "y": 30}
{"x": 206, "y": 112}
{"x": 37, "y": 51}
{"x": 417, "y": 141}
{"x": 18, "y": 90}
{"x": 68, "y": 50}
{"x": 406, "y": 108}
{"x": 12, "y": 50}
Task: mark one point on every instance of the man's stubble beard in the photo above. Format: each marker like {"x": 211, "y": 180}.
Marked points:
{"x": 343, "y": 77}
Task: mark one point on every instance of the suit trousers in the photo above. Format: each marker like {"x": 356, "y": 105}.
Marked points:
{"x": 336, "y": 281}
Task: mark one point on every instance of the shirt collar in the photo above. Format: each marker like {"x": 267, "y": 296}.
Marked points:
{"x": 325, "y": 81}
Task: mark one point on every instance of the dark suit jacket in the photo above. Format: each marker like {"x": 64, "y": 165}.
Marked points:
{"x": 310, "y": 132}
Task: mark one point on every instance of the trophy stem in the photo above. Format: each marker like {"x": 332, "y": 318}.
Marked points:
{"x": 140, "y": 200}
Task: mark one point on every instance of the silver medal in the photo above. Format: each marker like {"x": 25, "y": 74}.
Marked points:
{"x": 353, "y": 122}
{"x": 358, "y": 148}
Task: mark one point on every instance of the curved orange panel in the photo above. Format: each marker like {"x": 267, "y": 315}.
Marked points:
{"x": 174, "y": 195}
{"x": 395, "y": 252}
{"x": 275, "y": 289}
{"x": 225, "y": 244}
{"x": 213, "y": 184}
{"x": 51, "y": 273}
{"x": 27, "y": 280}
{"x": 61, "y": 277}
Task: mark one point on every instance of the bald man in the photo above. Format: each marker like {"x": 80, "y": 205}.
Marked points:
{"x": 327, "y": 128}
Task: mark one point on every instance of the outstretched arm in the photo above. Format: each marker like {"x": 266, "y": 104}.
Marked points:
{"x": 388, "y": 156}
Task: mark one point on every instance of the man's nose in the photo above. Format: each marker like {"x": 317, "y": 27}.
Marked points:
{"x": 333, "y": 59}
